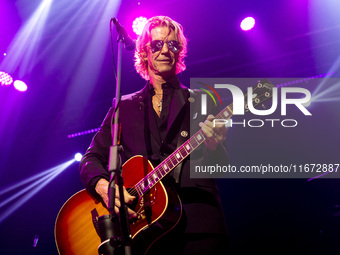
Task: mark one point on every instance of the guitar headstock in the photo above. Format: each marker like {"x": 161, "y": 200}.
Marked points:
{"x": 261, "y": 92}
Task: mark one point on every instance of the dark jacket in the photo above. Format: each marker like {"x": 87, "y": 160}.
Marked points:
{"x": 201, "y": 203}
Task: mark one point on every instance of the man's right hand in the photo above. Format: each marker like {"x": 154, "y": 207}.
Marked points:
{"x": 102, "y": 187}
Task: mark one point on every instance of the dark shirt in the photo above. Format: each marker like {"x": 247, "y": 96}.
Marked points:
{"x": 160, "y": 145}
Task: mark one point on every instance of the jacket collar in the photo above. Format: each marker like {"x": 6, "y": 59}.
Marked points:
{"x": 180, "y": 97}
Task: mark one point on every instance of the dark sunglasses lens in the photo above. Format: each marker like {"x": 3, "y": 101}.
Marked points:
{"x": 157, "y": 45}
{"x": 174, "y": 46}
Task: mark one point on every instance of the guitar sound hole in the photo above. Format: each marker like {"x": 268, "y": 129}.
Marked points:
{"x": 143, "y": 205}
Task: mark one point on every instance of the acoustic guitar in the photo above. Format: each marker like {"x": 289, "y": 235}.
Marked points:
{"x": 158, "y": 207}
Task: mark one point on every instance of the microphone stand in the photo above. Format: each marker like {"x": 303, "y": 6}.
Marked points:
{"x": 115, "y": 231}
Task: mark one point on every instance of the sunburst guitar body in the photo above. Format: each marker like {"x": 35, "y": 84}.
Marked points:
{"x": 158, "y": 211}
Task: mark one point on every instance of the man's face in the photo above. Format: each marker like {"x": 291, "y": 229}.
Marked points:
{"x": 162, "y": 62}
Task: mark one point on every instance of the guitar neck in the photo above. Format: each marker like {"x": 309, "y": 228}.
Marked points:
{"x": 177, "y": 156}
{"x": 261, "y": 92}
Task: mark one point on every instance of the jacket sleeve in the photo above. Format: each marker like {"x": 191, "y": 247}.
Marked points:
{"x": 94, "y": 163}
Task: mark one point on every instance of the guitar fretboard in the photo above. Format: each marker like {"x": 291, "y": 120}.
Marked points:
{"x": 263, "y": 92}
{"x": 176, "y": 157}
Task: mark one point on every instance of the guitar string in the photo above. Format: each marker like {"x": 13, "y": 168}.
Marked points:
{"x": 169, "y": 159}
{"x": 158, "y": 171}
{"x": 150, "y": 175}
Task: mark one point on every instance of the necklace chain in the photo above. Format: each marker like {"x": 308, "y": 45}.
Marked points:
{"x": 160, "y": 103}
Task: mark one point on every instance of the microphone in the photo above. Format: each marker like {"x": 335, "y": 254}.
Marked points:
{"x": 128, "y": 42}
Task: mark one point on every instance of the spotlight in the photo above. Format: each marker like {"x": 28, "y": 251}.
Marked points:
{"x": 5, "y": 78}
{"x": 138, "y": 25}
{"x": 78, "y": 156}
{"x": 20, "y": 85}
{"x": 247, "y": 24}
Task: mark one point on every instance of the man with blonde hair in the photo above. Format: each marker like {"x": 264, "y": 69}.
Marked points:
{"x": 154, "y": 122}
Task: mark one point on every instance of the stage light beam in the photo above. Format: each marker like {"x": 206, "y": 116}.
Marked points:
{"x": 330, "y": 92}
{"x": 26, "y": 191}
{"x": 23, "y": 50}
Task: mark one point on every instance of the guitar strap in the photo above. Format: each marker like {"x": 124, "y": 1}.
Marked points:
{"x": 184, "y": 135}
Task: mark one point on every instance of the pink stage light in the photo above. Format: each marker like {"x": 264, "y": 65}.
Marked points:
{"x": 5, "y": 79}
{"x": 247, "y": 24}
{"x": 138, "y": 25}
{"x": 20, "y": 85}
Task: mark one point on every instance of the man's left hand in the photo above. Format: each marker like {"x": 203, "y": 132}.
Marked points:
{"x": 215, "y": 134}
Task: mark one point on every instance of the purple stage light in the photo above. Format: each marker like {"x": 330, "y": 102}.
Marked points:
{"x": 247, "y": 24}
{"x": 5, "y": 78}
{"x": 83, "y": 133}
{"x": 78, "y": 156}
{"x": 138, "y": 25}
{"x": 20, "y": 85}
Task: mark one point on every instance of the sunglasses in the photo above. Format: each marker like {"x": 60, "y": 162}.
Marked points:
{"x": 157, "y": 45}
